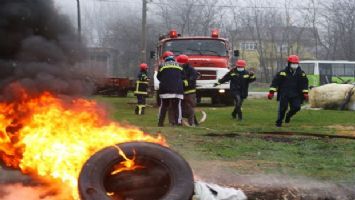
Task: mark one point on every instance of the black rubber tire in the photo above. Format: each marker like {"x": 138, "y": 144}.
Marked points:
{"x": 92, "y": 177}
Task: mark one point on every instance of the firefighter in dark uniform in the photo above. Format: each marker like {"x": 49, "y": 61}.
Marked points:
{"x": 189, "y": 102}
{"x": 291, "y": 85}
{"x": 141, "y": 91}
{"x": 239, "y": 79}
{"x": 171, "y": 89}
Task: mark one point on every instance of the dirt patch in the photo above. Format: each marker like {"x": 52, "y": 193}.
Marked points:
{"x": 268, "y": 137}
{"x": 344, "y": 130}
{"x": 259, "y": 186}
{"x": 283, "y": 136}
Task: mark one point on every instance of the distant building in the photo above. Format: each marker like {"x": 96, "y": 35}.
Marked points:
{"x": 275, "y": 44}
{"x": 102, "y": 61}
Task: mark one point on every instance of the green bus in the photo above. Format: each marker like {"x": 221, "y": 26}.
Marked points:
{"x": 320, "y": 72}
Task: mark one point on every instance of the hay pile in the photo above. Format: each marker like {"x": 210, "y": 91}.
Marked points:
{"x": 332, "y": 96}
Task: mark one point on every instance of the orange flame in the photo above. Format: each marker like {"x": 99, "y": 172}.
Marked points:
{"x": 53, "y": 137}
{"x": 126, "y": 165}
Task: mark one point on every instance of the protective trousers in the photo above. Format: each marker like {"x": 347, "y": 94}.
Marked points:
{"x": 238, "y": 102}
{"x": 140, "y": 105}
{"x": 175, "y": 106}
{"x": 188, "y": 108}
{"x": 284, "y": 102}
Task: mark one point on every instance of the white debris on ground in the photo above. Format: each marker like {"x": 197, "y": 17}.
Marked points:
{"x": 333, "y": 96}
{"x": 209, "y": 191}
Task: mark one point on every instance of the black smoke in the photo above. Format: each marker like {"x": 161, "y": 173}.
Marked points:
{"x": 39, "y": 49}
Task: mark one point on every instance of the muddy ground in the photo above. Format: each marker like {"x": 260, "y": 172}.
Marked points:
{"x": 261, "y": 187}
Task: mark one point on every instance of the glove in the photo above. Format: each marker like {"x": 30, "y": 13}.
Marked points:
{"x": 216, "y": 84}
{"x": 305, "y": 96}
{"x": 270, "y": 95}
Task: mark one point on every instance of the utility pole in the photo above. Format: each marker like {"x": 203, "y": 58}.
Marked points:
{"x": 79, "y": 19}
{"x": 144, "y": 32}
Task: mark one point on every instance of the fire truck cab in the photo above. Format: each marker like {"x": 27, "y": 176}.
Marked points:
{"x": 209, "y": 55}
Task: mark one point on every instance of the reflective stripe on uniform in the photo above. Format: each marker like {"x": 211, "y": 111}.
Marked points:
{"x": 273, "y": 89}
{"x": 186, "y": 83}
{"x": 170, "y": 67}
{"x": 139, "y": 92}
{"x": 252, "y": 76}
{"x": 282, "y": 73}
{"x": 233, "y": 74}
{"x": 190, "y": 91}
{"x": 305, "y": 91}
{"x": 246, "y": 76}
{"x": 142, "y": 82}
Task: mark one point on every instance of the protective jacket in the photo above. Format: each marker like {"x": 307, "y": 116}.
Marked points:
{"x": 171, "y": 76}
{"x": 142, "y": 84}
{"x": 191, "y": 76}
{"x": 290, "y": 83}
{"x": 239, "y": 81}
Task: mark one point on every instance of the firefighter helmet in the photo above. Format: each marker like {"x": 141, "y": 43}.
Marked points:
{"x": 167, "y": 54}
{"x": 182, "y": 59}
{"x": 143, "y": 66}
{"x": 240, "y": 63}
{"x": 293, "y": 59}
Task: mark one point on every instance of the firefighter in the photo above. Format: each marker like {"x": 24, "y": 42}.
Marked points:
{"x": 291, "y": 85}
{"x": 171, "y": 89}
{"x": 239, "y": 79}
{"x": 189, "y": 102}
{"x": 141, "y": 91}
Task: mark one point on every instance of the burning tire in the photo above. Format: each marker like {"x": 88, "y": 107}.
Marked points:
{"x": 164, "y": 174}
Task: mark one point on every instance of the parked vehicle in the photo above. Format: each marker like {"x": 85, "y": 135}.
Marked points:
{"x": 114, "y": 86}
{"x": 102, "y": 63}
{"x": 320, "y": 72}
{"x": 210, "y": 55}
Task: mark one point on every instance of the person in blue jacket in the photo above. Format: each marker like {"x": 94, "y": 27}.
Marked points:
{"x": 141, "y": 90}
{"x": 171, "y": 88}
{"x": 239, "y": 79}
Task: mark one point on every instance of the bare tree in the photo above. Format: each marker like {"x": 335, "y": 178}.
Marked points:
{"x": 190, "y": 17}
{"x": 336, "y": 22}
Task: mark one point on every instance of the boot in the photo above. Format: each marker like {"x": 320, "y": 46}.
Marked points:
{"x": 234, "y": 115}
{"x": 288, "y": 118}
{"x": 240, "y": 116}
{"x": 136, "y": 110}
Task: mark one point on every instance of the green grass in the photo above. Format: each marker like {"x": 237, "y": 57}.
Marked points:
{"x": 223, "y": 139}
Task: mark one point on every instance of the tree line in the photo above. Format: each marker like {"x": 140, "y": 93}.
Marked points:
{"x": 314, "y": 29}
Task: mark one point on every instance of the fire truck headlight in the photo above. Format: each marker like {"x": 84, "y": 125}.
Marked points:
{"x": 221, "y": 91}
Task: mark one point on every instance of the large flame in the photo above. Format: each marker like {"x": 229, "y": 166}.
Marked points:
{"x": 52, "y": 137}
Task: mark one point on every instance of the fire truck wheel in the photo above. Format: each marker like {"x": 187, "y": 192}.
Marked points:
{"x": 162, "y": 174}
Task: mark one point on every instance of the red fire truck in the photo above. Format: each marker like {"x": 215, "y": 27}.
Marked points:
{"x": 210, "y": 55}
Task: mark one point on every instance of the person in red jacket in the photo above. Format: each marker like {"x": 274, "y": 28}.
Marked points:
{"x": 291, "y": 85}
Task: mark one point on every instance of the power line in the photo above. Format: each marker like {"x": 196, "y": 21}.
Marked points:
{"x": 217, "y": 6}
{"x": 238, "y": 6}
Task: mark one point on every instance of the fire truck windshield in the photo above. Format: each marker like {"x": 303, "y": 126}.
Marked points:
{"x": 196, "y": 47}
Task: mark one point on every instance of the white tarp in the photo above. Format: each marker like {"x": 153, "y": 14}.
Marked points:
{"x": 332, "y": 96}
{"x": 209, "y": 191}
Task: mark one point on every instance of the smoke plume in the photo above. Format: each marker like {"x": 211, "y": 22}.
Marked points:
{"x": 39, "y": 49}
